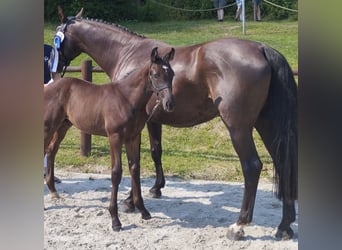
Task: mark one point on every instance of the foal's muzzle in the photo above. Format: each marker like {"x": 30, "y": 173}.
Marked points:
{"x": 168, "y": 104}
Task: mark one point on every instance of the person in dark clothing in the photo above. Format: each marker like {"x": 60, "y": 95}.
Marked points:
{"x": 47, "y": 73}
{"x": 219, "y": 4}
{"x": 256, "y": 10}
{"x": 48, "y": 78}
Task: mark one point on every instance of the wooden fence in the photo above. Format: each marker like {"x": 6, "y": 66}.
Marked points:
{"x": 87, "y": 70}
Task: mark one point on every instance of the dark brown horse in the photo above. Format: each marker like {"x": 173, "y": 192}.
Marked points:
{"x": 115, "y": 110}
{"x": 248, "y": 84}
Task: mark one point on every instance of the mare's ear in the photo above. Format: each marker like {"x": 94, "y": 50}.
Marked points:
{"x": 154, "y": 54}
{"x": 61, "y": 14}
{"x": 168, "y": 57}
{"x": 79, "y": 14}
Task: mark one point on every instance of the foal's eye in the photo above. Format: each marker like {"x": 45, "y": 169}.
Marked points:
{"x": 156, "y": 75}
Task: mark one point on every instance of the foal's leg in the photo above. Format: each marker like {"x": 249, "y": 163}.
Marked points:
{"x": 133, "y": 157}
{"x": 155, "y": 134}
{"x": 51, "y": 152}
{"x": 115, "y": 144}
{"x": 155, "y": 131}
{"x": 243, "y": 143}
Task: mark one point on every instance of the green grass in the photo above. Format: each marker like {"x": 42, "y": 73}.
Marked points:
{"x": 203, "y": 151}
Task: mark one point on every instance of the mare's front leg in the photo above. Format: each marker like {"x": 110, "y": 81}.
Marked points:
{"x": 51, "y": 149}
{"x": 155, "y": 135}
{"x": 243, "y": 143}
{"x": 133, "y": 157}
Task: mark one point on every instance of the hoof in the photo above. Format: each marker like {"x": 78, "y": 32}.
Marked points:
{"x": 54, "y": 195}
{"x": 117, "y": 228}
{"x": 126, "y": 207}
{"x": 146, "y": 215}
{"x": 284, "y": 234}
{"x": 155, "y": 193}
{"x": 235, "y": 232}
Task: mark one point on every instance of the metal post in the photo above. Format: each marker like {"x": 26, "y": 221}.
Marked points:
{"x": 86, "y": 71}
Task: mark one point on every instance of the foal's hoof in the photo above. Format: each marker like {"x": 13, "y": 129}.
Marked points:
{"x": 54, "y": 195}
{"x": 284, "y": 234}
{"x": 155, "y": 192}
{"x": 235, "y": 232}
{"x": 126, "y": 206}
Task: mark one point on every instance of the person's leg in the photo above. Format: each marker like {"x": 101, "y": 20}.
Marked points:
{"x": 258, "y": 13}
{"x": 45, "y": 164}
{"x": 238, "y": 14}
{"x": 255, "y": 8}
{"x": 221, "y": 14}
{"x": 216, "y": 5}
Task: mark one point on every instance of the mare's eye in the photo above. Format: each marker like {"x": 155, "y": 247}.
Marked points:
{"x": 156, "y": 75}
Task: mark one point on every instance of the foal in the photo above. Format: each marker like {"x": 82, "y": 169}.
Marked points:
{"x": 117, "y": 111}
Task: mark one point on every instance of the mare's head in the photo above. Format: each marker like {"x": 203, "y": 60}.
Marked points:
{"x": 160, "y": 78}
{"x": 66, "y": 47}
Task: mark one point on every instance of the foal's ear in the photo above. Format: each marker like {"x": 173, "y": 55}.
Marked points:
{"x": 168, "y": 57}
{"x": 79, "y": 14}
{"x": 154, "y": 54}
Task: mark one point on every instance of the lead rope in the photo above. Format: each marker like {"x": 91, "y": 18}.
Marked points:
{"x": 153, "y": 110}
{"x": 64, "y": 69}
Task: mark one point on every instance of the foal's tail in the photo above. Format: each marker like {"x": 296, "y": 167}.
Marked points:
{"x": 282, "y": 105}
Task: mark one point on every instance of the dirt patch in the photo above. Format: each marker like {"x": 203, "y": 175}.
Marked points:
{"x": 190, "y": 215}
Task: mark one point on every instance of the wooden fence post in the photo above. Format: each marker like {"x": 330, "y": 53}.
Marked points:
{"x": 86, "y": 70}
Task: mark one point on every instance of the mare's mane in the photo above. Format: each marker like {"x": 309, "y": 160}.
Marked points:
{"x": 114, "y": 25}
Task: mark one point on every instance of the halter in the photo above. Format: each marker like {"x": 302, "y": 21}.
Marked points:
{"x": 157, "y": 90}
{"x": 58, "y": 41}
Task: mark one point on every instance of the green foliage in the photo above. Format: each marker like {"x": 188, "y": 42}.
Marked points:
{"x": 109, "y": 10}
{"x": 271, "y": 12}
{"x": 161, "y": 10}
{"x": 152, "y": 13}
{"x": 188, "y": 5}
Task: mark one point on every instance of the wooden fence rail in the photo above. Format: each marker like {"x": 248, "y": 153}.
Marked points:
{"x": 86, "y": 70}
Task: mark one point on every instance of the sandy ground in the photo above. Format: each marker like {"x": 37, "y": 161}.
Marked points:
{"x": 190, "y": 215}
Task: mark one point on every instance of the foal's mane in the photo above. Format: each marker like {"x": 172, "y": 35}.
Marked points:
{"x": 112, "y": 25}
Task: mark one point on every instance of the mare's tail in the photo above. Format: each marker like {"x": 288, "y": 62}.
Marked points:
{"x": 282, "y": 105}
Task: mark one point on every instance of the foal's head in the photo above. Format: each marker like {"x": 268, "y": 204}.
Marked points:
{"x": 161, "y": 76}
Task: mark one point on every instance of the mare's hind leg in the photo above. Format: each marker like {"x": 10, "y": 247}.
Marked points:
{"x": 243, "y": 143}
{"x": 289, "y": 212}
{"x": 51, "y": 152}
{"x": 285, "y": 231}
{"x": 155, "y": 133}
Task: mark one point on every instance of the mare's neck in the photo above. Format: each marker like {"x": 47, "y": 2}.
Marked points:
{"x": 106, "y": 44}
